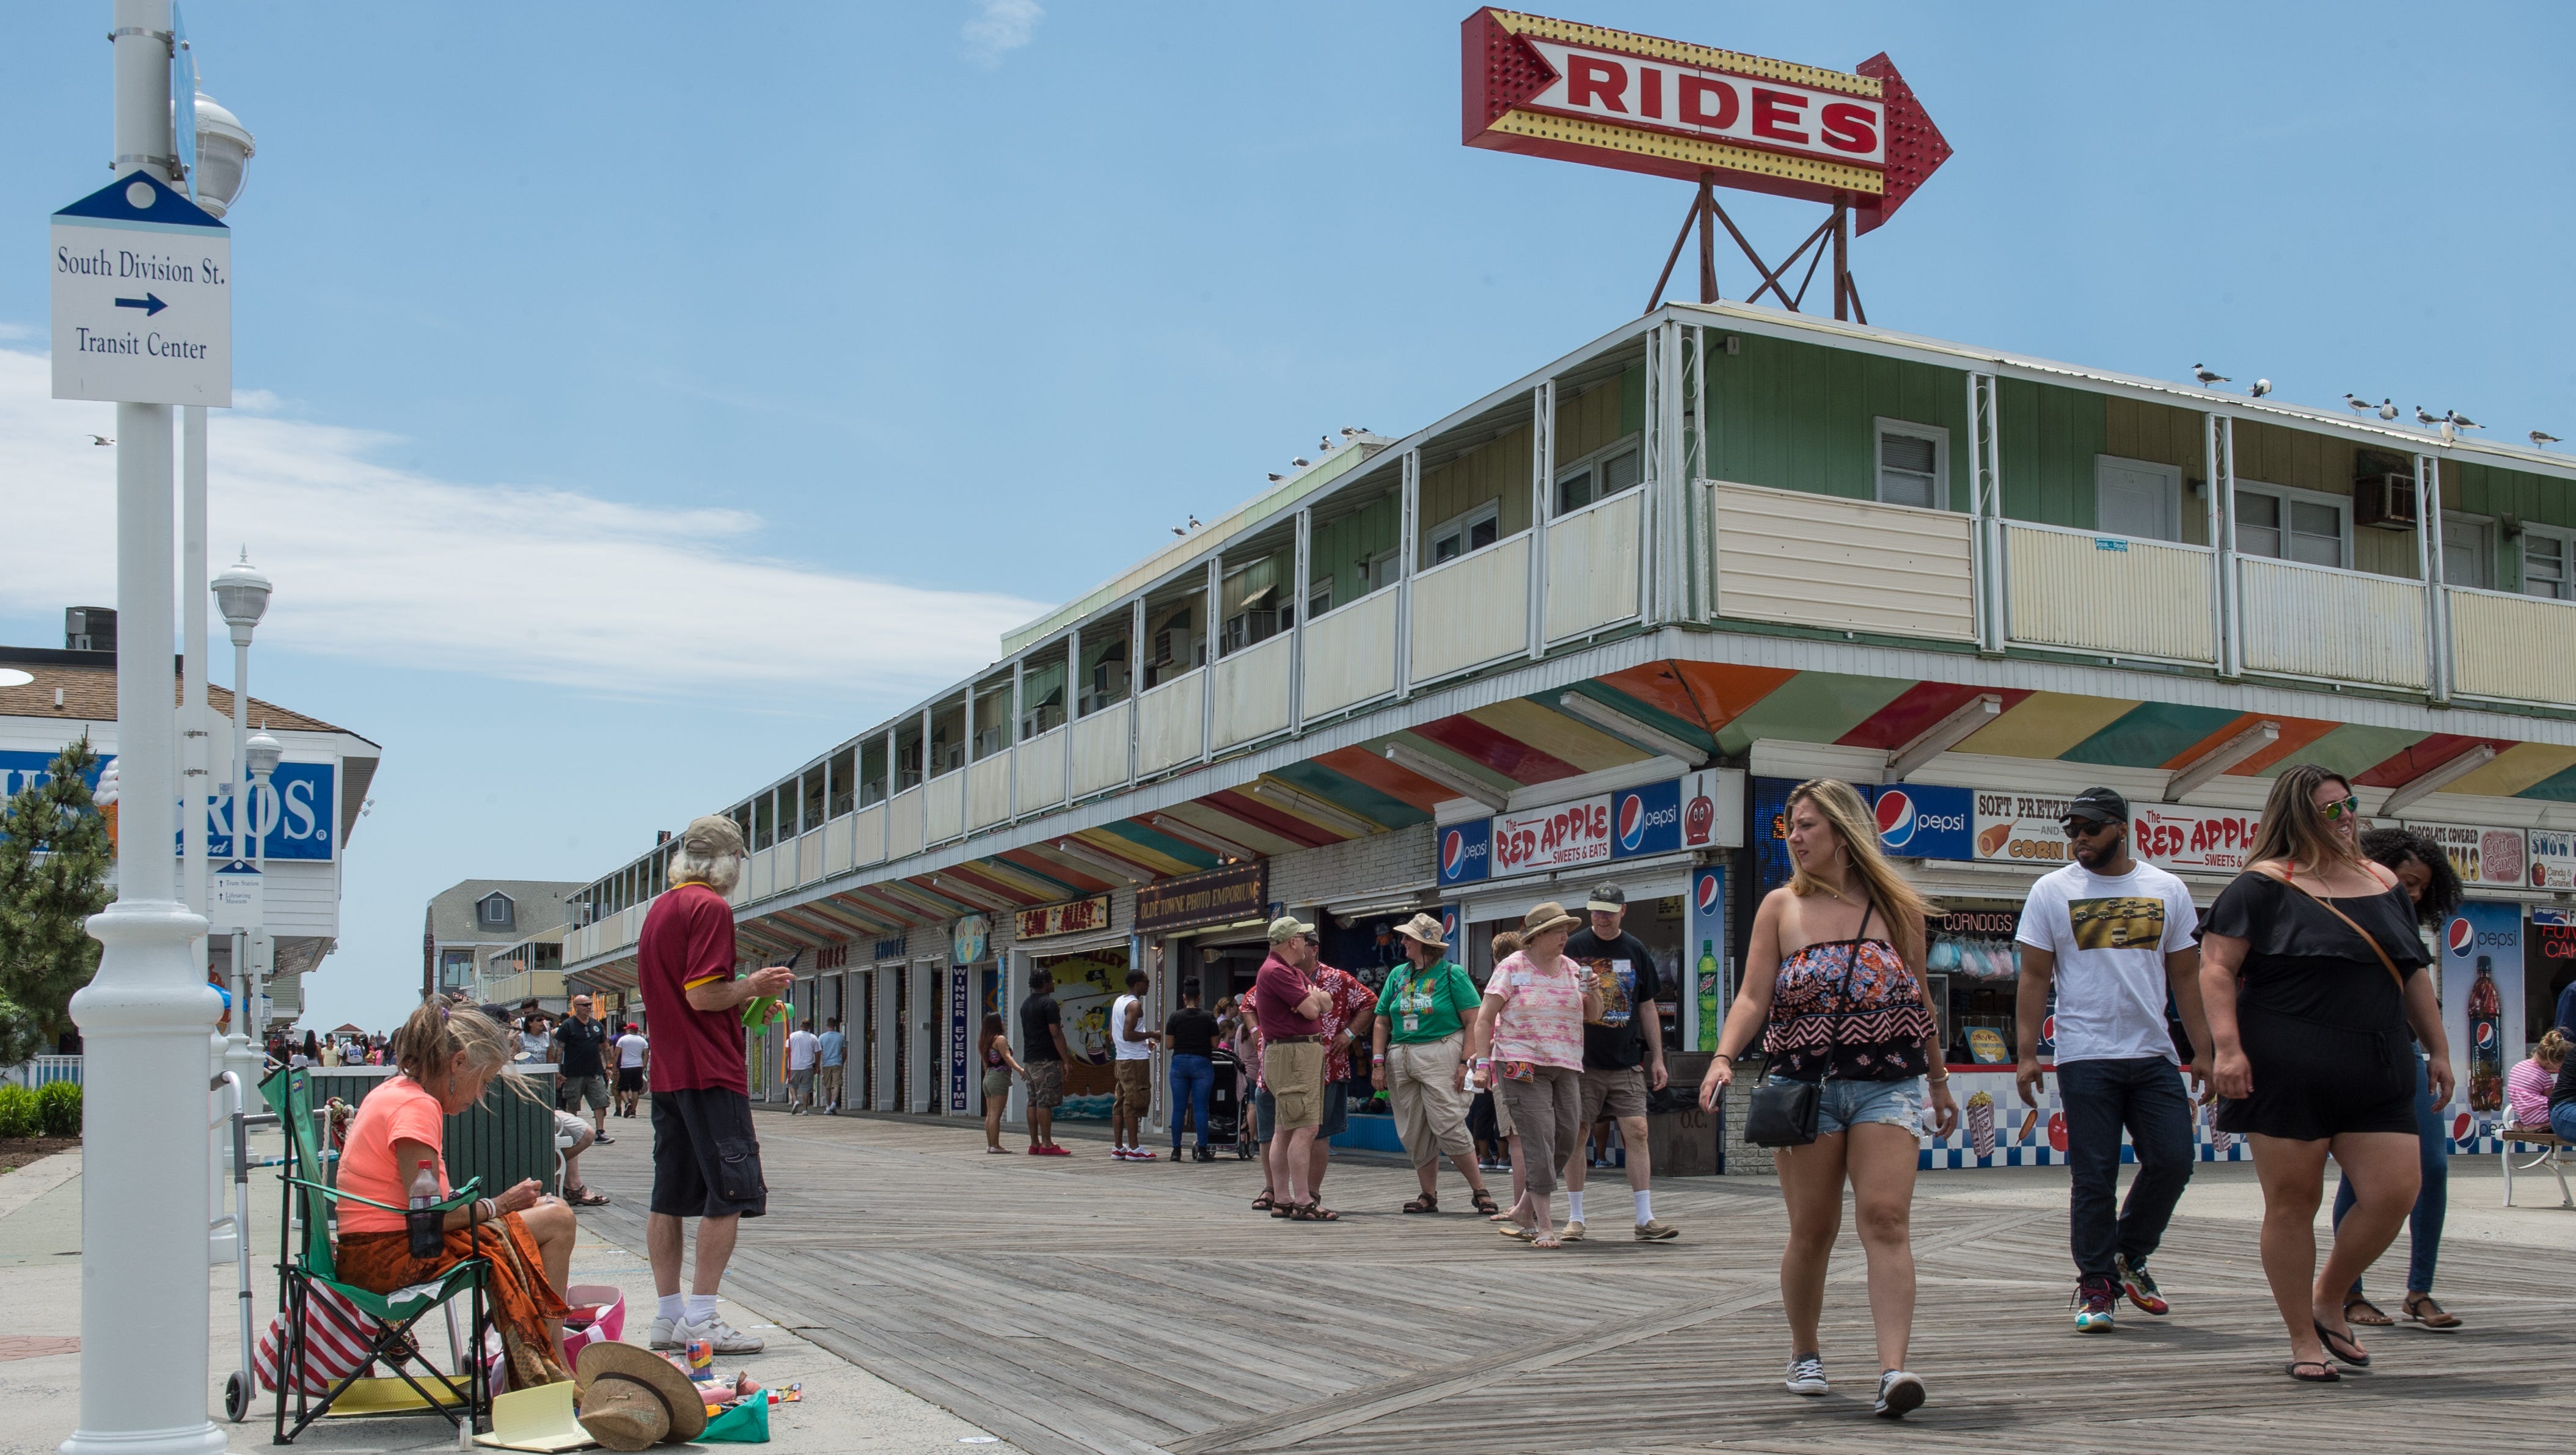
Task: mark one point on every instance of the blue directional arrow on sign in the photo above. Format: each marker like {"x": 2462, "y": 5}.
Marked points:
{"x": 150, "y": 303}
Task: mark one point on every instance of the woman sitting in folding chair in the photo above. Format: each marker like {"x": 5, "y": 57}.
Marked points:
{"x": 447, "y": 1061}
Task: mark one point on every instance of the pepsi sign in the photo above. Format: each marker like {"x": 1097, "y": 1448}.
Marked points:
{"x": 2462, "y": 936}
{"x": 1646, "y": 820}
{"x": 1928, "y": 821}
{"x": 1708, "y": 891}
{"x": 1466, "y": 851}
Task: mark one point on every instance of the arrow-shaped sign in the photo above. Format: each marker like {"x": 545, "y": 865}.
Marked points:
{"x": 150, "y": 303}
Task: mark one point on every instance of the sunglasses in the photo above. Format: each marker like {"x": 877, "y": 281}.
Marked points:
{"x": 2078, "y": 828}
{"x": 2337, "y": 808}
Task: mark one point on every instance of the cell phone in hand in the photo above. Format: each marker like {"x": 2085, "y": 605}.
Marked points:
{"x": 762, "y": 1007}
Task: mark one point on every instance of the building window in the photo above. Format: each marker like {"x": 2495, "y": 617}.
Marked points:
{"x": 2293, "y": 525}
{"x": 1599, "y": 475}
{"x": 2544, "y": 564}
{"x": 1461, "y": 534}
{"x": 495, "y": 911}
{"x": 1913, "y": 464}
{"x": 1319, "y": 601}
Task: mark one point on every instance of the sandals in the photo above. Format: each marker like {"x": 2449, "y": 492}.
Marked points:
{"x": 2359, "y": 1310}
{"x": 1550, "y": 1241}
{"x": 1313, "y": 1211}
{"x": 1280, "y": 1209}
{"x": 2355, "y": 1357}
{"x": 1428, "y": 1202}
{"x": 1485, "y": 1203}
{"x": 2326, "y": 1373}
{"x": 2420, "y": 1309}
{"x": 588, "y": 1198}
{"x": 1514, "y": 1230}
{"x": 1266, "y": 1201}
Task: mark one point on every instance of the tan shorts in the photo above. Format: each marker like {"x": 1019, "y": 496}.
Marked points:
{"x": 1294, "y": 1076}
{"x": 1613, "y": 1094}
{"x": 1135, "y": 1087}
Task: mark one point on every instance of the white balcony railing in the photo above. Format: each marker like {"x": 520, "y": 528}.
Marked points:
{"x": 1100, "y": 750}
{"x": 1594, "y": 564}
{"x": 988, "y": 791}
{"x": 2113, "y": 594}
{"x": 1472, "y": 610}
{"x": 1168, "y": 719}
{"x": 2317, "y": 621}
{"x": 1251, "y": 691}
{"x": 1795, "y": 557}
{"x": 1350, "y": 654}
{"x": 2518, "y": 647}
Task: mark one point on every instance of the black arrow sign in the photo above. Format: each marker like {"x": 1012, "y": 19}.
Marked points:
{"x": 150, "y": 303}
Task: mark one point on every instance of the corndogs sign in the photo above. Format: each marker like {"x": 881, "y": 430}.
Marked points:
{"x": 1607, "y": 98}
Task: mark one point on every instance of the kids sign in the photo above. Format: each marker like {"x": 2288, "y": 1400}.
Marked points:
{"x": 1608, "y": 98}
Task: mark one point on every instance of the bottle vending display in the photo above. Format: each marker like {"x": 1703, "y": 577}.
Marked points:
{"x": 2486, "y": 1040}
{"x": 1712, "y": 1016}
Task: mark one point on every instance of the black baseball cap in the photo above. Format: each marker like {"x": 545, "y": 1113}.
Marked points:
{"x": 2098, "y": 805}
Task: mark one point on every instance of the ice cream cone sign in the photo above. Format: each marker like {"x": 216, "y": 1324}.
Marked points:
{"x": 105, "y": 797}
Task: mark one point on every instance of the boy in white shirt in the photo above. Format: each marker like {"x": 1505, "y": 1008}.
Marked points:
{"x": 2113, "y": 934}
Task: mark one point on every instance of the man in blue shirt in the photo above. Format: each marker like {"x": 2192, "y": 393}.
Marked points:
{"x": 833, "y": 1047}
{"x": 2567, "y": 1010}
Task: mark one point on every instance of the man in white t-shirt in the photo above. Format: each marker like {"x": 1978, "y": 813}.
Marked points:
{"x": 1134, "y": 1045}
{"x": 632, "y": 1052}
{"x": 2114, "y": 936}
{"x": 802, "y": 1047}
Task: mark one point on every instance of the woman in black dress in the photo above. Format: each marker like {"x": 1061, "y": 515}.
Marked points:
{"x": 2313, "y": 976}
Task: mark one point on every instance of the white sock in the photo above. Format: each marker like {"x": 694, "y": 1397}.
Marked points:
{"x": 1645, "y": 1205}
{"x": 669, "y": 1307}
{"x": 1574, "y": 1206}
{"x": 702, "y": 1307}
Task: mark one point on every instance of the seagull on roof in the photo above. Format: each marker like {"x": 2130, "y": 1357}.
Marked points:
{"x": 2426, "y": 417}
{"x": 1275, "y": 476}
{"x": 1301, "y": 462}
{"x": 1323, "y": 444}
{"x": 2207, "y": 375}
{"x": 2541, "y": 439}
{"x": 2261, "y": 388}
{"x": 2387, "y": 409}
{"x": 2359, "y": 404}
{"x": 1176, "y": 530}
{"x": 1194, "y": 522}
{"x": 1349, "y": 433}
{"x": 100, "y": 439}
{"x": 2462, "y": 420}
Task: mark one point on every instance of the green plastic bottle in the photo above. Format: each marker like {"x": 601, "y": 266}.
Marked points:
{"x": 1709, "y": 1022}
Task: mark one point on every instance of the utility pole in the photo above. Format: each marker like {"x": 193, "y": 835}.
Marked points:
{"x": 145, "y": 1015}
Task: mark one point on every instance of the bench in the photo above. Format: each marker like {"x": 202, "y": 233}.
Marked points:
{"x": 2554, "y": 1154}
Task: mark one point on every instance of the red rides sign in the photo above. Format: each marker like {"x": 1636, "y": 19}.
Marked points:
{"x": 1608, "y": 98}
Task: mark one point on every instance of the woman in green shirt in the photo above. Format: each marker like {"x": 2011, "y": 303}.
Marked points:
{"x": 1420, "y": 1036}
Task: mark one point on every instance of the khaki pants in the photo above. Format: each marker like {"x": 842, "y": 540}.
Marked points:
{"x": 1548, "y": 1110}
{"x": 1430, "y": 1114}
{"x": 832, "y": 1086}
{"x": 1293, "y": 1074}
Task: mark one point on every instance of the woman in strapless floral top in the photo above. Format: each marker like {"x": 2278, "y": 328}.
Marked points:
{"x": 1833, "y": 986}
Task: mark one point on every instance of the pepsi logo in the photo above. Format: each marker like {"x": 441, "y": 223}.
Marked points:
{"x": 1705, "y": 893}
{"x": 2484, "y": 1033}
{"x": 1449, "y": 924}
{"x": 1632, "y": 821}
{"x": 1895, "y": 818}
{"x": 1453, "y": 851}
{"x": 2462, "y": 935}
{"x": 2463, "y": 1127}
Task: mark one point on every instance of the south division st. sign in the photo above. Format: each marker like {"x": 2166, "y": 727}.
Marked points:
{"x": 1607, "y": 98}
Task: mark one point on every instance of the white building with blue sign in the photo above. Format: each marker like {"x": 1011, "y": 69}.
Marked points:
{"x": 300, "y": 824}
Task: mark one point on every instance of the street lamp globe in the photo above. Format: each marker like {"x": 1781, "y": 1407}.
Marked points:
{"x": 223, "y": 145}
{"x": 241, "y": 594}
{"x": 262, "y": 752}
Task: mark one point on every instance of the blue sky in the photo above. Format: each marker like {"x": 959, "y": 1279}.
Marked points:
{"x": 637, "y": 400}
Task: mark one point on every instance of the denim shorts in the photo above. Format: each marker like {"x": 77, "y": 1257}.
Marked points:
{"x": 1847, "y": 1104}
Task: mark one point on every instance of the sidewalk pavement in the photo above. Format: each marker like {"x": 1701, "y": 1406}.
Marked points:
{"x": 844, "y": 1409}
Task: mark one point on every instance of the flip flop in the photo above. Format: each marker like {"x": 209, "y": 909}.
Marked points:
{"x": 2327, "y": 1376}
{"x": 2357, "y": 1359}
{"x": 1514, "y": 1230}
{"x": 2369, "y": 1315}
{"x": 2421, "y": 1310}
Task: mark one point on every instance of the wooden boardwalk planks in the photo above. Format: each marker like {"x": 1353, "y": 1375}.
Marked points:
{"x": 1085, "y": 1305}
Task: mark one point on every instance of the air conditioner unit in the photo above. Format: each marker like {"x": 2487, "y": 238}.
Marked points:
{"x": 2386, "y": 501}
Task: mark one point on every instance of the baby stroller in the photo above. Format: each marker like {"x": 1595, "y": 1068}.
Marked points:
{"x": 1227, "y": 1118}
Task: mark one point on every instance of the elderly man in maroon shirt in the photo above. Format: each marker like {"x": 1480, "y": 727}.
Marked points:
{"x": 706, "y": 1161}
{"x": 1291, "y": 1005}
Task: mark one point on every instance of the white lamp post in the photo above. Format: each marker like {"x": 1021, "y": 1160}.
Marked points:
{"x": 144, "y": 1015}
{"x": 241, "y": 595}
{"x": 260, "y": 754}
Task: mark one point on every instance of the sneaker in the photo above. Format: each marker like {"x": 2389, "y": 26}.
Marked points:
{"x": 666, "y": 1333}
{"x": 2140, "y": 1286}
{"x": 1573, "y": 1233}
{"x": 1807, "y": 1375}
{"x": 1144, "y": 1154}
{"x": 1656, "y": 1230}
{"x": 2097, "y": 1298}
{"x": 1051, "y": 1149}
{"x": 1204, "y": 1155}
{"x": 726, "y": 1338}
{"x": 602, "y": 1139}
{"x": 1898, "y": 1392}
{"x": 1036, "y": 1151}
{"x": 1120, "y": 1153}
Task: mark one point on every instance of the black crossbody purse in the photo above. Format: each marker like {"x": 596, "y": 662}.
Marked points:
{"x": 1783, "y": 1113}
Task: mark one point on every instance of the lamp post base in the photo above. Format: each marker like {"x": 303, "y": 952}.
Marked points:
{"x": 199, "y": 1439}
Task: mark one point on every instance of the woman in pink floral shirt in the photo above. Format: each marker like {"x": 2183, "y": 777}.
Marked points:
{"x": 1527, "y": 1044}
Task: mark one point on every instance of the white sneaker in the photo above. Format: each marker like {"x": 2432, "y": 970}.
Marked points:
{"x": 1898, "y": 1392}
{"x": 666, "y": 1333}
{"x": 1807, "y": 1375}
{"x": 726, "y": 1338}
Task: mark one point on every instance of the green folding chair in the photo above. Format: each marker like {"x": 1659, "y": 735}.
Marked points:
{"x": 461, "y": 1398}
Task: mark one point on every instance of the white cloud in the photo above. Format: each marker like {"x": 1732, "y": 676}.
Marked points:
{"x": 394, "y": 567}
{"x": 1000, "y": 27}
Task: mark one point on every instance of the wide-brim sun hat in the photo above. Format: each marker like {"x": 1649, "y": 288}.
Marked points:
{"x": 1544, "y": 916}
{"x": 625, "y": 1392}
{"x": 1423, "y": 928}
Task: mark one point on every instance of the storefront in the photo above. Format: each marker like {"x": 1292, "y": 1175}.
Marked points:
{"x": 1088, "y": 945}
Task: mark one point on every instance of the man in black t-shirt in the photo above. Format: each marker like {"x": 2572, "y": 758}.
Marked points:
{"x": 1042, "y": 1056}
{"x": 585, "y": 1075}
{"x": 1623, "y": 1052}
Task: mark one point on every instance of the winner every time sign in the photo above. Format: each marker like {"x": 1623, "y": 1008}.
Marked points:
{"x": 142, "y": 298}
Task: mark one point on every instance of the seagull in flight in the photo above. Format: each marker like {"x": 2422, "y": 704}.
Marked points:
{"x": 2541, "y": 439}
{"x": 2261, "y": 388}
{"x": 100, "y": 439}
{"x": 2207, "y": 375}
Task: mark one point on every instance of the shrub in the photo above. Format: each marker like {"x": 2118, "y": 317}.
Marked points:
{"x": 18, "y": 1116}
{"x": 58, "y": 1108}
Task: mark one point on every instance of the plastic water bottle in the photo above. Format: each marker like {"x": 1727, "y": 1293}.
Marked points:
{"x": 424, "y": 1219}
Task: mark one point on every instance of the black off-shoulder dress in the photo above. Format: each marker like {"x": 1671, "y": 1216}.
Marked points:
{"x": 2320, "y": 1018}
